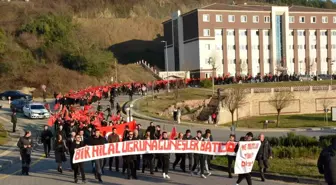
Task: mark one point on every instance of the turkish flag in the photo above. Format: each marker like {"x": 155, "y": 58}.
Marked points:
{"x": 173, "y": 133}
{"x": 57, "y": 106}
{"x": 51, "y": 121}
{"x": 120, "y": 128}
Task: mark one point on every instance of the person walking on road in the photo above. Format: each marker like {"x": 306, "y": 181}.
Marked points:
{"x": 14, "y": 121}
{"x": 147, "y": 159}
{"x": 46, "y": 137}
{"x": 165, "y": 159}
{"x": 180, "y": 157}
{"x": 327, "y": 163}
{"x": 247, "y": 176}
{"x": 231, "y": 158}
{"x": 60, "y": 149}
{"x": 25, "y": 146}
{"x": 69, "y": 143}
{"x": 264, "y": 153}
{"x": 97, "y": 140}
{"x": 199, "y": 158}
{"x": 113, "y": 138}
{"x": 131, "y": 160}
{"x": 78, "y": 167}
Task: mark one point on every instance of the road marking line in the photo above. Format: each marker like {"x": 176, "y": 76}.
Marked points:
{"x": 33, "y": 164}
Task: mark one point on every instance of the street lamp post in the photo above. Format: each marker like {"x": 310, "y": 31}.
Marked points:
{"x": 211, "y": 62}
{"x": 130, "y": 112}
{"x": 166, "y": 59}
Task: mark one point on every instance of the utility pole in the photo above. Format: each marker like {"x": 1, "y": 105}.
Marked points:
{"x": 166, "y": 59}
{"x": 212, "y": 63}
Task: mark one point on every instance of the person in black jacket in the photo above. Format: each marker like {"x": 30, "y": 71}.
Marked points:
{"x": 109, "y": 112}
{"x": 46, "y": 137}
{"x": 14, "y": 120}
{"x": 151, "y": 129}
{"x": 131, "y": 160}
{"x": 78, "y": 167}
{"x": 69, "y": 143}
{"x": 180, "y": 157}
{"x": 231, "y": 158}
{"x": 97, "y": 140}
{"x": 264, "y": 153}
{"x": 60, "y": 150}
{"x": 25, "y": 146}
{"x": 147, "y": 159}
{"x": 327, "y": 163}
{"x": 189, "y": 156}
{"x": 199, "y": 158}
{"x": 165, "y": 159}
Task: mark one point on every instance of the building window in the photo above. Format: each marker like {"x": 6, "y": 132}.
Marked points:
{"x": 323, "y": 33}
{"x": 334, "y": 33}
{"x": 219, "y": 47}
{"x": 207, "y": 47}
{"x": 300, "y": 46}
{"x": 291, "y": 19}
{"x": 312, "y": 33}
{"x": 231, "y": 47}
{"x": 333, "y": 46}
{"x": 313, "y": 19}
{"x": 267, "y": 47}
{"x": 255, "y": 19}
{"x": 206, "y": 18}
{"x": 230, "y": 33}
{"x": 301, "y": 33}
{"x": 219, "y": 18}
{"x": 291, "y": 46}
{"x": 231, "y": 18}
{"x": 243, "y": 33}
{"x": 255, "y": 47}
{"x": 324, "y": 19}
{"x": 206, "y": 32}
{"x": 218, "y": 32}
{"x": 302, "y": 19}
{"x": 313, "y": 46}
{"x": 267, "y": 19}
{"x": 334, "y": 19}
{"x": 243, "y": 47}
{"x": 267, "y": 33}
{"x": 243, "y": 18}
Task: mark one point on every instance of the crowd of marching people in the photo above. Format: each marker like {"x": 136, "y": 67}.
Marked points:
{"x": 76, "y": 125}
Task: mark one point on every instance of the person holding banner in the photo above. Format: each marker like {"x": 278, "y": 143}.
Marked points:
{"x": 180, "y": 157}
{"x": 131, "y": 160}
{"x": 247, "y": 176}
{"x": 199, "y": 158}
{"x": 147, "y": 159}
{"x": 231, "y": 158}
{"x": 165, "y": 159}
{"x": 188, "y": 136}
{"x": 113, "y": 138}
{"x": 78, "y": 167}
{"x": 97, "y": 140}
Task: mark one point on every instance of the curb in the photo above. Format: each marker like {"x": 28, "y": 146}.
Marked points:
{"x": 277, "y": 177}
{"x": 145, "y": 117}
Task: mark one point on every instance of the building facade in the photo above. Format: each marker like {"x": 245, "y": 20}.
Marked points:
{"x": 251, "y": 40}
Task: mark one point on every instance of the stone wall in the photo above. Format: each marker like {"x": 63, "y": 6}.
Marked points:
{"x": 308, "y": 100}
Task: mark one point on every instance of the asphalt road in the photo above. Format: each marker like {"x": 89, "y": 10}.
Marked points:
{"x": 43, "y": 171}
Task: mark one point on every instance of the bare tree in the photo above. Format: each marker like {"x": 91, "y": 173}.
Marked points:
{"x": 279, "y": 101}
{"x": 326, "y": 103}
{"x": 233, "y": 99}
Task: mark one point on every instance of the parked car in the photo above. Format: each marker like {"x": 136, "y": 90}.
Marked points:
{"x": 323, "y": 77}
{"x": 35, "y": 110}
{"x": 14, "y": 95}
{"x": 18, "y": 105}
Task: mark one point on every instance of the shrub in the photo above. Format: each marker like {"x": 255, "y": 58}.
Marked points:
{"x": 3, "y": 40}
{"x": 292, "y": 140}
{"x": 326, "y": 140}
{"x": 296, "y": 152}
{"x": 206, "y": 83}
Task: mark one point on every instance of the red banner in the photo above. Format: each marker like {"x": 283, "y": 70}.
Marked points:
{"x": 136, "y": 147}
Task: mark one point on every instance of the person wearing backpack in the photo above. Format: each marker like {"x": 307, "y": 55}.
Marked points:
{"x": 327, "y": 163}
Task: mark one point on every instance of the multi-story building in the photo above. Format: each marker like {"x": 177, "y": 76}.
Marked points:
{"x": 251, "y": 39}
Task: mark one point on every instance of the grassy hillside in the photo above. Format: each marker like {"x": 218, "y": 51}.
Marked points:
{"x": 71, "y": 44}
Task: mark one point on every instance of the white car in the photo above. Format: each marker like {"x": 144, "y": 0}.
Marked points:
{"x": 35, "y": 110}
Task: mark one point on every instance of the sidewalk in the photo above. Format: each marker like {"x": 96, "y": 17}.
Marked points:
{"x": 9, "y": 153}
{"x": 220, "y": 127}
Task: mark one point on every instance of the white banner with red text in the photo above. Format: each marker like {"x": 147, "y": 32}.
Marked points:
{"x": 136, "y": 147}
{"x": 246, "y": 155}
